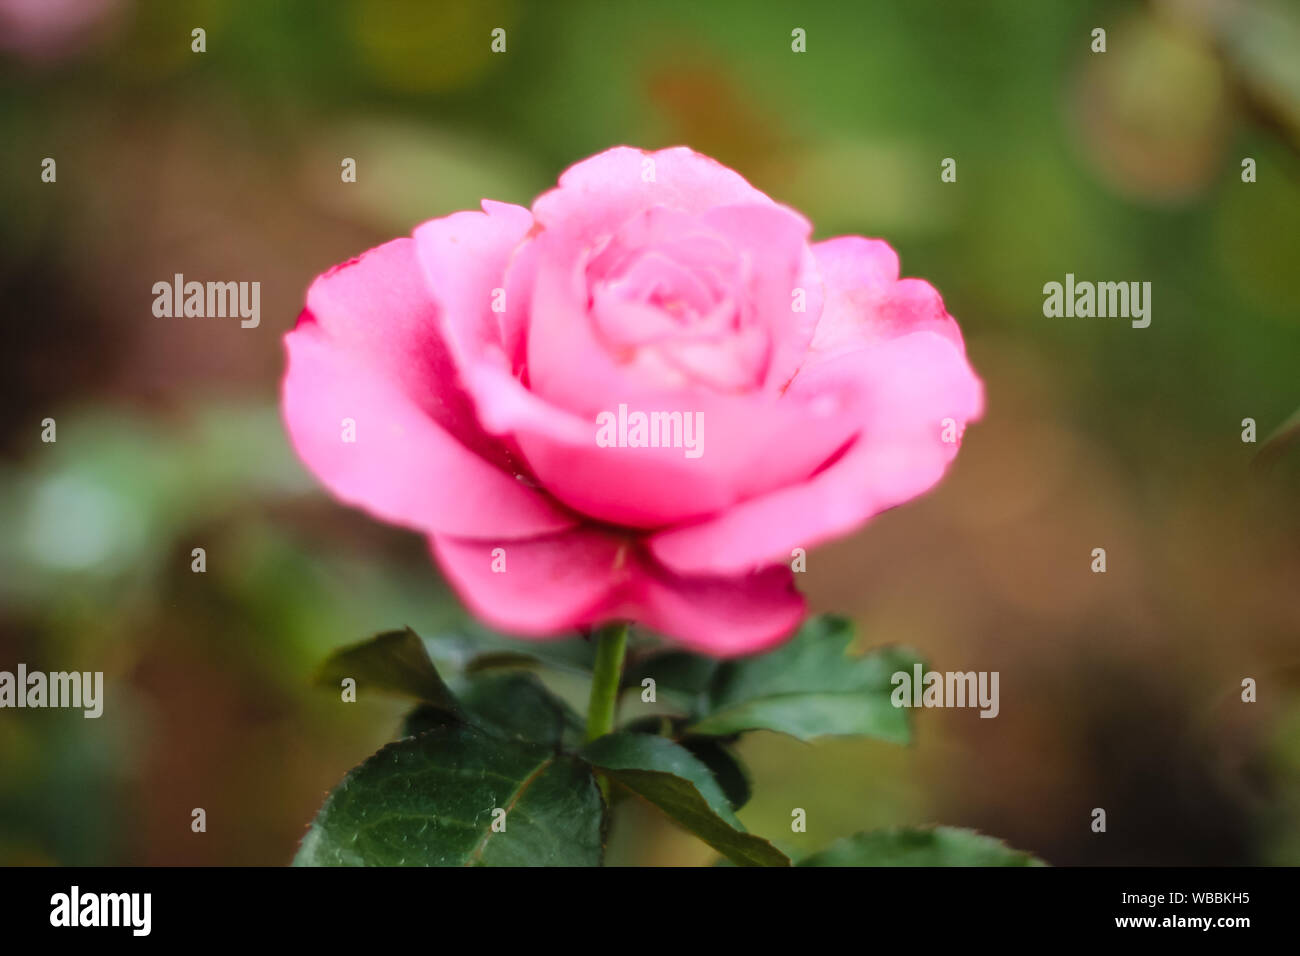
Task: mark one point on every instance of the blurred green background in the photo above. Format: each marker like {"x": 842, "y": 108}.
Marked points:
{"x": 1119, "y": 690}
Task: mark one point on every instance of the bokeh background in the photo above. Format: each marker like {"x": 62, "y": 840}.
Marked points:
{"x": 1119, "y": 690}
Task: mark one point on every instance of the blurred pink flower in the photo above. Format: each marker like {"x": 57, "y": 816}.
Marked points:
{"x": 493, "y": 365}
{"x": 49, "y": 29}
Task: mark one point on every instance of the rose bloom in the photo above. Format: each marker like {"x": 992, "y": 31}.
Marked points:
{"x": 478, "y": 362}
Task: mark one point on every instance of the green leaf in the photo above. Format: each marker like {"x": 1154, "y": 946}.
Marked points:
{"x": 808, "y": 688}
{"x": 468, "y": 647}
{"x": 502, "y": 660}
{"x": 670, "y": 777}
{"x": 425, "y": 718}
{"x": 725, "y": 766}
{"x": 663, "y": 725}
{"x": 575, "y": 655}
{"x": 512, "y": 705}
{"x": 713, "y": 752}
{"x": 429, "y": 801}
{"x": 395, "y": 662}
{"x": 679, "y": 675}
{"x": 920, "y": 846}
{"x": 808, "y": 716}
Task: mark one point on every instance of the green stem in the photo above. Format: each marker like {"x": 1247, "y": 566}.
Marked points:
{"x": 611, "y": 643}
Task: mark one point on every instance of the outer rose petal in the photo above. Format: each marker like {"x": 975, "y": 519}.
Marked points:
{"x": 723, "y": 617}
{"x": 585, "y": 577}
{"x": 865, "y": 301}
{"x": 596, "y": 196}
{"x": 910, "y": 385}
{"x": 375, "y": 309}
{"x": 549, "y": 585}
{"x": 464, "y": 258}
{"x": 367, "y": 349}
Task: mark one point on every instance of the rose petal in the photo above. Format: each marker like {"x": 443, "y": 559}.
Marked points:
{"x": 549, "y": 585}
{"x": 599, "y": 194}
{"x": 403, "y": 467}
{"x": 908, "y": 386}
{"x": 465, "y": 258}
{"x": 723, "y": 617}
{"x": 651, "y": 487}
{"x": 773, "y": 240}
{"x": 585, "y": 577}
{"x": 866, "y": 301}
{"x": 375, "y": 308}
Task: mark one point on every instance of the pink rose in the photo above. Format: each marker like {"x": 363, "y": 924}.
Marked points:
{"x": 494, "y": 365}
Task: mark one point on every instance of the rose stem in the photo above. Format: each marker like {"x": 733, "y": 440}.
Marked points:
{"x": 611, "y": 643}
